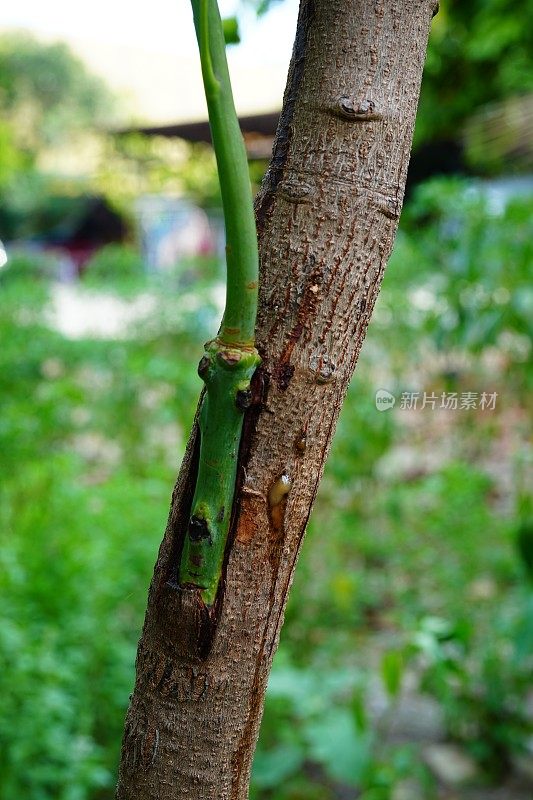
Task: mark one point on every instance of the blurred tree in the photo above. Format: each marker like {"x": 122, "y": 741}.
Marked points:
{"x": 327, "y": 215}
{"x": 47, "y": 96}
{"x": 479, "y": 52}
{"x": 12, "y": 159}
{"x": 46, "y": 92}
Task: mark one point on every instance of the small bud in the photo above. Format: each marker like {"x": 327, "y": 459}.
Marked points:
{"x": 229, "y": 357}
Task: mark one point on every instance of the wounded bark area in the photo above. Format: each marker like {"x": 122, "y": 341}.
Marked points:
{"x": 327, "y": 216}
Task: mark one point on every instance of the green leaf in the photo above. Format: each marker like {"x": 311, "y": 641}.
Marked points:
{"x": 335, "y": 742}
{"x": 230, "y": 28}
{"x": 359, "y": 710}
{"x": 273, "y": 767}
{"x": 524, "y": 544}
{"x": 392, "y": 668}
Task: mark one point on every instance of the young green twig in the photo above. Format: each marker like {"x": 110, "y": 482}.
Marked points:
{"x": 229, "y": 360}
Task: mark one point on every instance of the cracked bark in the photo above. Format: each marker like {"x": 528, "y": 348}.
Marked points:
{"x": 327, "y": 215}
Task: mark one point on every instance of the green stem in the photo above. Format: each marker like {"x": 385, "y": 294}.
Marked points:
{"x": 238, "y": 323}
{"x": 231, "y": 359}
{"x": 227, "y": 373}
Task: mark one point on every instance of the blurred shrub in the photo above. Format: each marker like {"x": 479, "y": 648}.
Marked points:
{"x": 46, "y": 92}
{"x": 26, "y": 268}
{"x": 317, "y": 739}
{"x": 477, "y": 53}
{"x": 116, "y": 265}
{"x": 91, "y": 438}
{"x": 458, "y": 279}
{"x": 482, "y": 682}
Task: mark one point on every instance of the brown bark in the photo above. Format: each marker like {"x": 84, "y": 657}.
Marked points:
{"x": 327, "y": 216}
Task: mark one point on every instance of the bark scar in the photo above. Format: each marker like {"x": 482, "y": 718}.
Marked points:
{"x": 357, "y": 111}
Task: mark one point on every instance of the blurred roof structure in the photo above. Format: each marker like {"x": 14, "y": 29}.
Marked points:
{"x": 162, "y": 88}
{"x": 258, "y": 131}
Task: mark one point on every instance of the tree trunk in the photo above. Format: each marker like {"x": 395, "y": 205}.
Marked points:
{"x": 327, "y": 215}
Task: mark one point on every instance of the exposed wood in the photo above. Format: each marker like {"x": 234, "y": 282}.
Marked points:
{"x": 327, "y": 216}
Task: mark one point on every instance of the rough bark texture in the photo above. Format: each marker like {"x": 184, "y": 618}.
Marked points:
{"x": 327, "y": 216}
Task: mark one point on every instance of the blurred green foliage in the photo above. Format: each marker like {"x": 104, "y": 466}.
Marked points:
{"x": 465, "y": 255}
{"x": 411, "y": 581}
{"x": 48, "y": 98}
{"x": 133, "y": 164}
{"x": 46, "y": 92}
{"x": 117, "y": 266}
{"x": 479, "y": 52}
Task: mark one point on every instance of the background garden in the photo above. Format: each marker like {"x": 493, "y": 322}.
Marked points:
{"x": 406, "y": 658}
